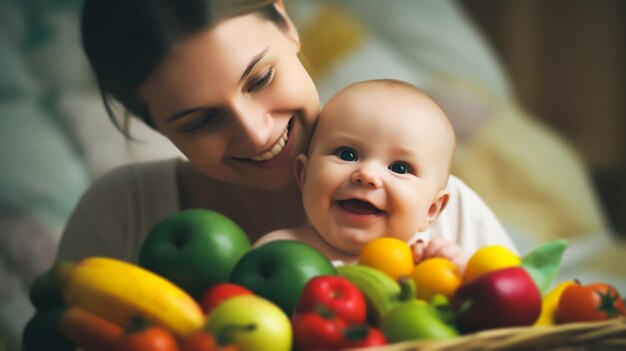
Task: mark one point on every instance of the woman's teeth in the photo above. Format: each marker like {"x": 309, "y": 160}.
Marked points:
{"x": 275, "y": 150}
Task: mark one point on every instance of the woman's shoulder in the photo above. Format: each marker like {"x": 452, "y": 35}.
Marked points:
{"x": 140, "y": 170}
{"x": 138, "y": 186}
{"x": 130, "y": 178}
{"x": 119, "y": 208}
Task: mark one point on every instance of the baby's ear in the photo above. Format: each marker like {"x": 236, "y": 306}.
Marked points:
{"x": 302, "y": 161}
{"x": 436, "y": 207}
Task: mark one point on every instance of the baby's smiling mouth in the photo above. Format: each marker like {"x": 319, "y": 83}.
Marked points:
{"x": 359, "y": 207}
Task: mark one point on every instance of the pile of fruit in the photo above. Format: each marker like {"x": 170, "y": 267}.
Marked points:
{"x": 198, "y": 286}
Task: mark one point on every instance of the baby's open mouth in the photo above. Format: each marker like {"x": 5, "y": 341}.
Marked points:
{"x": 359, "y": 207}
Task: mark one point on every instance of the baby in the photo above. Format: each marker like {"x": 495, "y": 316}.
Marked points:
{"x": 378, "y": 165}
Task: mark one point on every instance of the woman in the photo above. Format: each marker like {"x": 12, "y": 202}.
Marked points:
{"x": 222, "y": 80}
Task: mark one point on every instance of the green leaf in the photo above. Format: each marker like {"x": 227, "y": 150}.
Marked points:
{"x": 543, "y": 263}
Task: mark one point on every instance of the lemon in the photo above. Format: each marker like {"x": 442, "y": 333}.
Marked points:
{"x": 488, "y": 259}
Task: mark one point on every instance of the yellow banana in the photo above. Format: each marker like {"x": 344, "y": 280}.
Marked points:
{"x": 550, "y": 302}
{"x": 117, "y": 290}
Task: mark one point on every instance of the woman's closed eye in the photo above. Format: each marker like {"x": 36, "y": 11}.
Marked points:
{"x": 346, "y": 154}
{"x": 259, "y": 83}
{"x": 199, "y": 122}
{"x": 400, "y": 167}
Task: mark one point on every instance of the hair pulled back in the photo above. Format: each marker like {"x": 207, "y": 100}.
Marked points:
{"x": 125, "y": 40}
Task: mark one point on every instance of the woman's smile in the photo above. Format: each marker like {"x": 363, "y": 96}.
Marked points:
{"x": 274, "y": 151}
{"x": 277, "y": 153}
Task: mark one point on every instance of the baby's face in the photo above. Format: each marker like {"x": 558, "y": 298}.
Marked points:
{"x": 377, "y": 163}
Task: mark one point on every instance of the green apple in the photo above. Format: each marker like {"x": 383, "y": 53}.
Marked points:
{"x": 279, "y": 270}
{"x": 43, "y": 293}
{"x": 194, "y": 248}
{"x": 251, "y": 323}
{"x": 41, "y": 332}
{"x": 416, "y": 320}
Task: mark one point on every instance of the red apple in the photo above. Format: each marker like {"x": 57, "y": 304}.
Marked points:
{"x": 504, "y": 298}
{"x": 219, "y": 293}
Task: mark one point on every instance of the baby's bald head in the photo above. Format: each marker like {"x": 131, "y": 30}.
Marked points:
{"x": 392, "y": 106}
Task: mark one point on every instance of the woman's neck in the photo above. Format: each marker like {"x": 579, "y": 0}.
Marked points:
{"x": 256, "y": 211}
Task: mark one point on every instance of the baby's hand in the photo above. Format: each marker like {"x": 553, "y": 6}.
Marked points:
{"x": 438, "y": 247}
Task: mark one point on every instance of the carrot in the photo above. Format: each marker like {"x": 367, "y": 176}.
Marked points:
{"x": 88, "y": 330}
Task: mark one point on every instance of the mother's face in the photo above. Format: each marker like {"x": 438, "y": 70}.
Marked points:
{"x": 236, "y": 100}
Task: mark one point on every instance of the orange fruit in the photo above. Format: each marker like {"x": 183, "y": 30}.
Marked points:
{"x": 489, "y": 258}
{"x": 436, "y": 275}
{"x": 389, "y": 255}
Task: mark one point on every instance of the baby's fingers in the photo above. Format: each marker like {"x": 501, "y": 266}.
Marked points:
{"x": 449, "y": 251}
{"x": 434, "y": 248}
{"x": 418, "y": 251}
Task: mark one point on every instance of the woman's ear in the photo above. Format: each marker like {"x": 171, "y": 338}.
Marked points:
{"x": 301, "y": 164}
{"x": 435, "y": 209}
{"x": 290, "y": 30}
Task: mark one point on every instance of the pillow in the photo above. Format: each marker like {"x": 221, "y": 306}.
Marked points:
{"x": 102, "y": 145}
{"x": 27, "y": 248}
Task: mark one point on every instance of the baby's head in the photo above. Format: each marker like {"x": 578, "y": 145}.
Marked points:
{"x": 378, "y": 164}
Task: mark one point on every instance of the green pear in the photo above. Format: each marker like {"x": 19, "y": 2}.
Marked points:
{"x": 416, "y": 320}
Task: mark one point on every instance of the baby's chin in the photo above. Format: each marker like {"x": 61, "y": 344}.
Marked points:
{"x": 349, "y": 246}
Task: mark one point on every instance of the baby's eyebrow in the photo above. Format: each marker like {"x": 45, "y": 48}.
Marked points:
{"x": 253, "y": 63}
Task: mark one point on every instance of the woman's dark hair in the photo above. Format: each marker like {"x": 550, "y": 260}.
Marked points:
{"x": 125, "y": 40}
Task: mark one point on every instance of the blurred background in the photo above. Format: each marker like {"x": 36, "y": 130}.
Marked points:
{"x": 534, "y": 89}
{"x": 566, "y": 60}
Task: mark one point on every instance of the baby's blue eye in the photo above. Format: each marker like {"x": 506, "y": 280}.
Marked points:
{"x": 346, "y": 154}
{"x": 399, "y": 167}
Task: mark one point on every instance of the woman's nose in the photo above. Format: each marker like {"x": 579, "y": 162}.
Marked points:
{"x": 367, "y": 175}
{"x": 254, "y": 124}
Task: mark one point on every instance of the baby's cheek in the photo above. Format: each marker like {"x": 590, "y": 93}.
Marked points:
{"x": 405, "y": 225}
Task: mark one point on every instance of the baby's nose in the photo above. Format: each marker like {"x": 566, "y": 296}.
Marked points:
{"x": 368, "y": 176}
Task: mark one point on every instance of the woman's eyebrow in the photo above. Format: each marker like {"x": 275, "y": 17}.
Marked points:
{"x": 253, "y": 63}
{"x": 258, "y": 57}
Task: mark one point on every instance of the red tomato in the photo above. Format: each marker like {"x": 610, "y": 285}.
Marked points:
{"x": 217, "y": 294}
{"x": 363, "y": 336}
{"x": 204, "y": 341}
{"x": 337, "y": 294}
{"x": 593, "y": 302}
{"x": 318, "y": 331}
{"x": 148, "y": 339}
